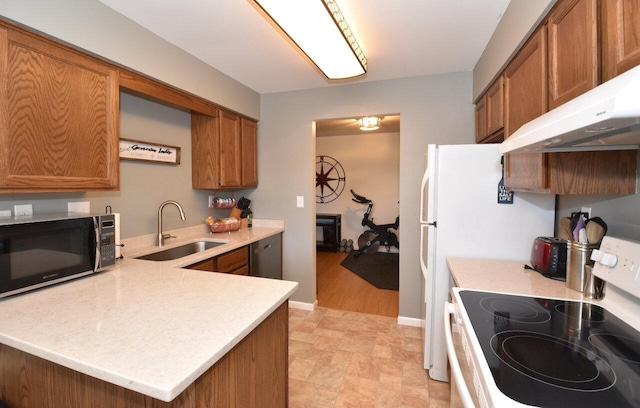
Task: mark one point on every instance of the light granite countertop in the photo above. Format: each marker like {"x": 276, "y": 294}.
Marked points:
{"x": 506, "y": 277}
{"x": 151, "y": 327}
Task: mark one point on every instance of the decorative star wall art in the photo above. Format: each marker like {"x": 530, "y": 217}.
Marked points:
{"x": 330, "y": 179}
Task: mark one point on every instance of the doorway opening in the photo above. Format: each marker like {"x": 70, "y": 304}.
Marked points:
{"x": 367, "y": 162}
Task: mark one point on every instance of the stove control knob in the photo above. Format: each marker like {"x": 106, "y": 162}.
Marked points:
{"x": 609, "y": 260}
{"x": 604, "y": 258}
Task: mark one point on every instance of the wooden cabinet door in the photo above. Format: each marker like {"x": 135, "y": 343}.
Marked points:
{"x": 525, "y": 89}
{"x": 59, "y": 129}
{"x": 230, "y": 159}
{"x": 204, "y": 151}
{"x": 481, "y": 119}
{"x": 573, "y": 50}
{"x": 249, "y": 142}
{"x": 206, "y": 265}
{"x": 232, "y": 261}
{"x": 495, "y": 107}
{"x": 605, "y": 172}
{"x": 620, "y": 37}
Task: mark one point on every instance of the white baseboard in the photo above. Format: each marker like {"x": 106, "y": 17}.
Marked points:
{"x": 303, "y": 305}
{"x": 410, "y": 321}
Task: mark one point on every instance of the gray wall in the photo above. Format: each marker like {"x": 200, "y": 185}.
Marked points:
{"x": 143, "y": 185}
{"x": 94, "y": 27}
{"x": 434, "y": 109}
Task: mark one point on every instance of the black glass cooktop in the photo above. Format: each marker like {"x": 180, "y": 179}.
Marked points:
{"x": 556, "y": 353}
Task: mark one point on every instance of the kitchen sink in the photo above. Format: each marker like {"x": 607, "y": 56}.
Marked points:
{"x": 178, "y": 252}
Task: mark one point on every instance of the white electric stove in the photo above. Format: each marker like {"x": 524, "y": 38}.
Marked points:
{"x": 543, "y": 352}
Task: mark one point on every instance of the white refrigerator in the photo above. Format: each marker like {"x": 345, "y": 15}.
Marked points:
{"x": 461, "y": 217}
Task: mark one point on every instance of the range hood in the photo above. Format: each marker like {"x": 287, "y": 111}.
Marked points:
{"x": 605, "y": 118}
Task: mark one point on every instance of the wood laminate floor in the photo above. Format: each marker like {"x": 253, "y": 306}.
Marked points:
{"x": 341, "y": 289}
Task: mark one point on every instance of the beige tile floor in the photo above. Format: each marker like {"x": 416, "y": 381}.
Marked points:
{"x": 345, "y": 359}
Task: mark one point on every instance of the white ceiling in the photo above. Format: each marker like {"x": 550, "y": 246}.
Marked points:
{"x": 401, "y": 38}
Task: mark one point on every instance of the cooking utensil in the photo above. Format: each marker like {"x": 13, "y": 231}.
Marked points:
{"x": 582, "y": 236}
{"x": 596, "y": 229}
{"x": 565, "y": 229}
{"x": 579, "y": 225}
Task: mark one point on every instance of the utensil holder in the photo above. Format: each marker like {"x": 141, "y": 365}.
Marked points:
{"x": 593, "y": 286}
{"x": 578, "y": 256}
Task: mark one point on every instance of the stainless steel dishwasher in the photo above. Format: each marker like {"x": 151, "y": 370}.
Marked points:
{"x": 266, "y": 257}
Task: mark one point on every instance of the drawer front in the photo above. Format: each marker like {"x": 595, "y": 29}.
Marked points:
{"x": 203, "y": 266}
{"x": 232, "y": 260}
{"x": 243, "y": 270}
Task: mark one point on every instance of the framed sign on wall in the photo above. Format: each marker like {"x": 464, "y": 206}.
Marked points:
{"x": 144, "y": 151}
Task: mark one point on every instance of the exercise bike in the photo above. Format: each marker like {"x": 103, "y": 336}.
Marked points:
{"x": 370, "y": 240}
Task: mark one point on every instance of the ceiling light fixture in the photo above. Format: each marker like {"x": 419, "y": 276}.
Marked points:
{"x": 319, "y": 29}
{"x": 370, "y": 123}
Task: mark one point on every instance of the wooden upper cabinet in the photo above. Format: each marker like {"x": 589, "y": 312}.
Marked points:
{"x": 495, "y": 106}
{"x": 605, "y": 172}
{"x": 204, "y": 151}
{"x": 59, "y": 128}
{"x": 230, "y": 158}
{"x": 482, "y": 130}
{"x": 573, "y": 50}
{"x": 620, "y": 37}
{"x": 557, "y": 63}
{"x": 525, "y": 90}
{"x": 224, "y": 151}
{"x": 249, "y": 142}
{"x": 490, "y": 114}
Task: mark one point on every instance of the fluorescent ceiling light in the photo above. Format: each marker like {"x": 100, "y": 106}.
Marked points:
{"x": 370, "y": 123}
{"x": 319, "y": 29}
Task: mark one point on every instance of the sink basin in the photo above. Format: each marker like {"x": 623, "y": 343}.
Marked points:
{"x": 179, "y": 252}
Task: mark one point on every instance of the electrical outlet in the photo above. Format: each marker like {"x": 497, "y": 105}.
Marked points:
{"x": 586, "y": 210}
{"x": 5, "y": 213}
{"x": 79, "y": 207}
{"x": 300, "y": 201}
{"x": 23, "y": 210}
{"x": 211, "y": 201}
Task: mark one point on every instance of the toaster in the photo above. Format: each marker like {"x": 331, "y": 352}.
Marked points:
{"x": 549, "y": 257}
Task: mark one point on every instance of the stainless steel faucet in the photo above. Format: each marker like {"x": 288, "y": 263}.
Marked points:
{"x": 161, "y": 236}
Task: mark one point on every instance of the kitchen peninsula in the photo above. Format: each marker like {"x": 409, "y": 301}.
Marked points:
{"x": 148, "y": 333}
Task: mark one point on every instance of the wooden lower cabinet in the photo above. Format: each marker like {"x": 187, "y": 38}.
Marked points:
{"x": 236, "y": 262}
{"x": 254, "y": 374}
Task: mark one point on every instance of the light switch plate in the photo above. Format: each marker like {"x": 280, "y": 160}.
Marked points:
{"x": 300, "y": 201}
{"x": 5, "y": 213}
{"x": 79, "y": 207}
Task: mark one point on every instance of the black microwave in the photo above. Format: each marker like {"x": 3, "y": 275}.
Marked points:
{"x": 44, "y": 250}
